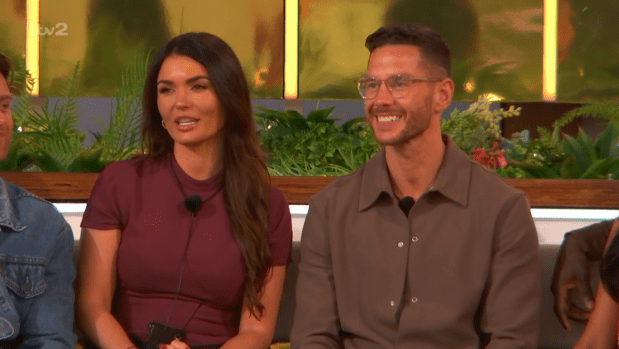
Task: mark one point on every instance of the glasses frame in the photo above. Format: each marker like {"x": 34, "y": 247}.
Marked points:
{"x": 410, "y": 79}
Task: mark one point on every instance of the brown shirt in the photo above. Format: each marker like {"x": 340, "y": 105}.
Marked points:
{"x": 461, "y": 271}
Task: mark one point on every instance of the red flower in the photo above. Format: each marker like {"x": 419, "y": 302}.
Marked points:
{"x": 479, "y": 155}
{"x": 495, "y": 158}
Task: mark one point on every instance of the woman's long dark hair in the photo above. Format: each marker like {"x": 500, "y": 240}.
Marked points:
{"x": 609, "y": 268}
{"x": 245, "y": 178}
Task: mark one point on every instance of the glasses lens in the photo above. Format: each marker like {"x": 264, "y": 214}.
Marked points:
{"x": 398, "y": 85}
{"x": 368, "y": 88}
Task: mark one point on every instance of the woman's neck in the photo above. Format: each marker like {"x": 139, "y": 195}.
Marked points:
{"x": 199, "y": 163}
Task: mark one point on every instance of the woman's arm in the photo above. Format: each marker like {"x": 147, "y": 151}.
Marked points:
{"x": 258, "y": 333}
{"x": 96, "y": 282}
{"x": 601, "y": 329}
{"x": 255, "y": 333}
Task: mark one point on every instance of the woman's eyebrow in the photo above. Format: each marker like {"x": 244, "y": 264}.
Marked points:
{"x": 188, "y": 81}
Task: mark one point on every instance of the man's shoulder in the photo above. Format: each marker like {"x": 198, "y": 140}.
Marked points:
{"x": 32, "y": 215}
{"x": 487, "y": 183}
{"x": 342, "y": 187}
{"x": 18, "y": 194}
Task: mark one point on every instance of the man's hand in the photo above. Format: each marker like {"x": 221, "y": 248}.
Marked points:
{"x": 571, "y": 282}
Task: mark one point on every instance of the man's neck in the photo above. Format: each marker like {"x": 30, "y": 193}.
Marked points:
{"x": 413, "y": 166}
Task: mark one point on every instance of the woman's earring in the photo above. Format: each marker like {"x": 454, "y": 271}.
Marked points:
{"x": 163, "y": 123}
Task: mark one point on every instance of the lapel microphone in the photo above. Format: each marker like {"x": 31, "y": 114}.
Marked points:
{"x": 193, "y": 203}
{"x": 406, "y": 203}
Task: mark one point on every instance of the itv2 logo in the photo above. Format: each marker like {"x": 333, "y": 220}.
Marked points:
{"x": 60, "y": 29}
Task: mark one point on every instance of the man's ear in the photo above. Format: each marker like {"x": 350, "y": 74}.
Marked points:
{"x": 443, "y": 93}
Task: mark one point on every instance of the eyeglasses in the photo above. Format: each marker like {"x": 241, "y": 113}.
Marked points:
{"x": 398, "y": 85}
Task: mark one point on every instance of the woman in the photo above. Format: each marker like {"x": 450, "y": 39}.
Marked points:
{"x": 601, "y": 329}
{"x": 191, "y": 235}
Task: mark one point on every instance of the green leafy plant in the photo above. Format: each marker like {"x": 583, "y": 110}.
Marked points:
{"x": 313, "y": 145}
{"x": 121, "y": 138}
{"x": 608, "y": 111}
{"x": 556, "y": 155}
{"x": 477, "y": 126}
{"x": 46, "y": 137}
{"x": 49, "y": 133}
{"x": 580, "y": 157}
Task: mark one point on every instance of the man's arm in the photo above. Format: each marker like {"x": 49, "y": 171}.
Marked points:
{"x": 315, "y": 322}
{"x": 510, "y": 307}
{"x": 580, "y": 248}
{"x": 49, "y": 322}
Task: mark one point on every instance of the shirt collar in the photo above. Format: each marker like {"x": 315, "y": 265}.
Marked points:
{"x": 8, "y": 219}
{"x": 452, "y": 180}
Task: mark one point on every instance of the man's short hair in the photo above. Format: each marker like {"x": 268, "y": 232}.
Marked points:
{"x": 433, "y": 48}
{"x": 5, "y": 66}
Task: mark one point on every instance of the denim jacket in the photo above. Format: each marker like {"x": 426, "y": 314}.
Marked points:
{"x": 37, "y": 273}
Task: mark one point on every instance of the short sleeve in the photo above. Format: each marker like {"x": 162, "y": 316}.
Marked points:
{"x": 109, "y": 198}
{"x": 280, "y": 228}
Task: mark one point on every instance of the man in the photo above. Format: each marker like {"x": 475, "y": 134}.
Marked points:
{"x": 419, "y": 247}
{"x": 36, "y": 263}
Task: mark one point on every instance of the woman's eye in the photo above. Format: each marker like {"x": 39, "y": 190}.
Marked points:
{"x": 164, "y": 89}
{"x": 199, "y": 87}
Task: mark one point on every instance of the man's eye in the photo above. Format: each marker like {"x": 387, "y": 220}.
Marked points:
{"x": 399, "y": 83}
{"x": 371, "y": 85}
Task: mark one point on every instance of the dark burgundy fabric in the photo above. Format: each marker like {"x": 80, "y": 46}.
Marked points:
{"x": 141, "y": 198}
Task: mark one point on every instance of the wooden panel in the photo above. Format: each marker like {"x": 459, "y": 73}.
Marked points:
{"x": 568, "y": 193}
{"x": 598, "y": 193}
{"x": 54, "y": 186}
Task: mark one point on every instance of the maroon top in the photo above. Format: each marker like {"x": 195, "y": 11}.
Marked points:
{"x": 142, "y": 198}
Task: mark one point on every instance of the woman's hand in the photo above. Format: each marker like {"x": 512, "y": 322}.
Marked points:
{"x": 258, "y": 333}
{"x": 175, "y": 344}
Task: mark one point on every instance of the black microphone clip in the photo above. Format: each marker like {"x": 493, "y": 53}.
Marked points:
{"x": 406, "y": 203}
{"x": 193, "y": 203}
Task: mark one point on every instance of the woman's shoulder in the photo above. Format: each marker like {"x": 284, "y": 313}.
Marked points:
{"x": 277, "y": 200}
{"x": 133, "y": 167}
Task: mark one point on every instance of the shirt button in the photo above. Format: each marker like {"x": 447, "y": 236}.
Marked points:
{"x": 392, "y": 303}
{"x": 414, "y": 300}
{"x": 400, "y": 244}
{"x": 415, "y": 239}
{"x": 26, "y": 286}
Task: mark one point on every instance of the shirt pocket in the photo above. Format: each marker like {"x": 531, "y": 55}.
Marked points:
{"x": 24, "y": 276}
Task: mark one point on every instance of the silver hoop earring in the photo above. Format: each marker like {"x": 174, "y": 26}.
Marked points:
{"x": 163, "y": 123}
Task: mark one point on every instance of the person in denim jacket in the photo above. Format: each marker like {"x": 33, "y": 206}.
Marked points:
{"x": 36, "y": 259}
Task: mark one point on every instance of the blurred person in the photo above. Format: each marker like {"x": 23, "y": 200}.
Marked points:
{"x": 574, "y": 274}
{"x": 601, "y": 329}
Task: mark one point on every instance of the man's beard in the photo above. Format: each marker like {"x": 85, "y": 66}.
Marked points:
{"x": 416, "y": 123}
